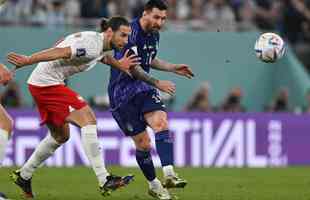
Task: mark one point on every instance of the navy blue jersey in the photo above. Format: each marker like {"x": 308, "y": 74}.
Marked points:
{"x": 122, "y": 87}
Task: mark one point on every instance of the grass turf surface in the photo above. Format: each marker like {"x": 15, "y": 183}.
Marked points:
{"x": 204, "y": 184}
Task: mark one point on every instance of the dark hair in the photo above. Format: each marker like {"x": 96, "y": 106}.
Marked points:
{"x": 114, "y": 23}
{"x": 160, "y": 4}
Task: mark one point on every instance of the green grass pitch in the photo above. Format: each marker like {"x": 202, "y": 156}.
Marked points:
{"x": 204, "y": 184}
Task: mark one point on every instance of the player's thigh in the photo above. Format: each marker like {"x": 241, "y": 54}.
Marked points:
{"x": 154, "y": 111}
{"x": 142, "y": 141}
{"x": 6, "y": 122}
{"x": 60, "y": 133}
{"x": 129, "y": 119}
{"x": 82, "y": 117}
{"x": 157, "y": 120}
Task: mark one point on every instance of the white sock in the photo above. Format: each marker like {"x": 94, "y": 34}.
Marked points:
{"x": 44, "y": 150}
{"x": 4, "y": 138}
{"x": 168, "y": 171}
{"x": 93, "y": 151}
{"x": 154, "y": 183}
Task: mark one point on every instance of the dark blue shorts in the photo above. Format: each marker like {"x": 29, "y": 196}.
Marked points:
{"x": 130, "y": 116}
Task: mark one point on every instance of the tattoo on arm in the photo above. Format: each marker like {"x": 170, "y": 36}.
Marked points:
{"x": 140, "y": 74}
{"x": 162, "y": 65}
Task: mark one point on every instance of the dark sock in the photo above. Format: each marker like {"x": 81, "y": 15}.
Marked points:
{"x": 164, "y": 147}
{"x": 145, "y": 163}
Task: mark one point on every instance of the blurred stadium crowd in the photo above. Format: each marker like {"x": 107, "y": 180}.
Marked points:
{"x": 291, "y": 18}
{"x": 233, "y": 102}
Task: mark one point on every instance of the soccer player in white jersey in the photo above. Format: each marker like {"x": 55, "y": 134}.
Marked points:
{"x": 59, "y": 105}
{"x": 6, "y": 124}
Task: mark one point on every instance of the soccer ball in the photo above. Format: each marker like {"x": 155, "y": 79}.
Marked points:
{"x": 2, "y": 196}
{"x": 269, "y": 47}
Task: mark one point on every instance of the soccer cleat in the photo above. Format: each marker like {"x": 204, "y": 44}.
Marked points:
{"x": 114, "y": 183}
{"x": 160, "y": 193}
{"x": 174, "y": 182}
{"x": 25, "y": 185}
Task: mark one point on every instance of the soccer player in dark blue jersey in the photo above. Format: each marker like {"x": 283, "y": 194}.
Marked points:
{"x": 135, "y": 101}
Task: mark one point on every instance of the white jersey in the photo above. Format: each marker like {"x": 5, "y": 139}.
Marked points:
{"x": 86, "y": 51}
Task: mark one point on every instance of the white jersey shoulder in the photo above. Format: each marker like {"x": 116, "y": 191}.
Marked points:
{"x": 86, "y": 50}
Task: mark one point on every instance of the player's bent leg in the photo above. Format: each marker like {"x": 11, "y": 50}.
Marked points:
{"x": 158, "y": 121}
{"x": 54, "y": 139}
{"x": 6, "y": 127}
{"x": 86, "y": 120}
{"x": 145, "y": 162}
{"x": 60, "y": 133}
{"x": 143, "y": 155}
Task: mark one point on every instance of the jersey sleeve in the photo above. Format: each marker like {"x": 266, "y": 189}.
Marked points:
{"x": 87, "y": 47}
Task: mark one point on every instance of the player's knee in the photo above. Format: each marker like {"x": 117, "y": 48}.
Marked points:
{"x": 160, "y": 124}
{"x": 90, "y": 118}
{"x": 82, "y": 117}
{"x": 92, "y": 122}
{"x": 62, "y": 139}
{"x": 7, "y": 125}
{"x": 145, "y": 144}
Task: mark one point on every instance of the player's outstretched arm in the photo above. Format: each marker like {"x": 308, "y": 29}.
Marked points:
{"x": 162, "y": 65}
{"x": 180, "y": 69}
{"x": 5, "y": 75}
{"x": 43, "y": 56}
{"x": 164, "y": 86}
